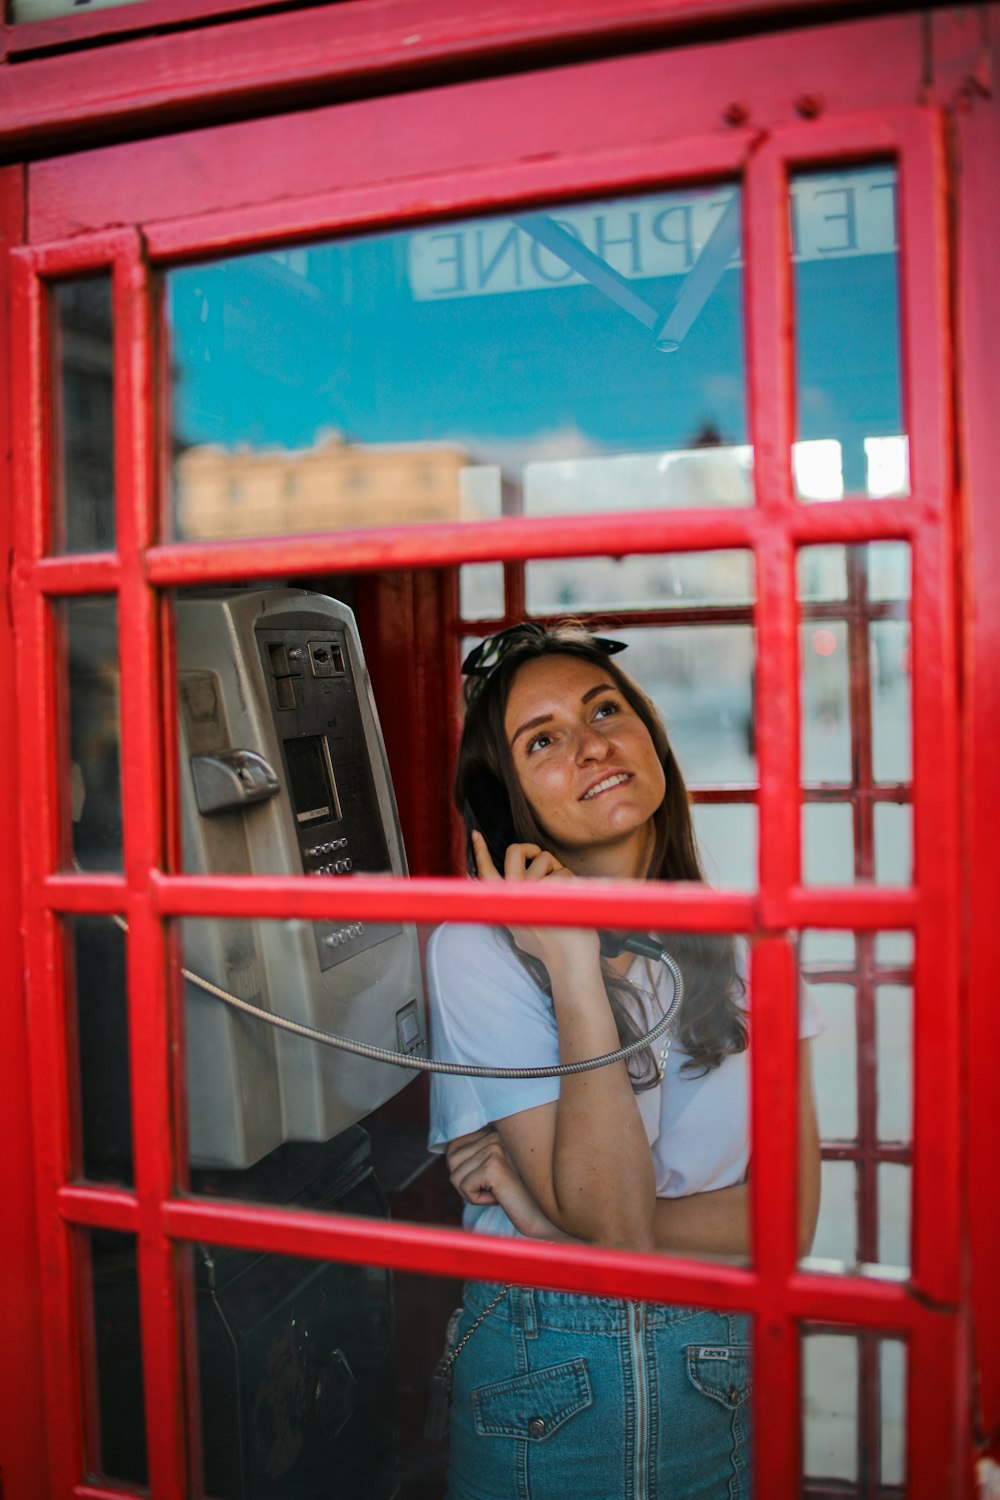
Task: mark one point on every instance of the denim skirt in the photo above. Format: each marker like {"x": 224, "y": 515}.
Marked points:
{"x": 558, "y": 1396}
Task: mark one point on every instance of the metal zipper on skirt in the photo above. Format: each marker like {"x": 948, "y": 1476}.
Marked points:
{"x": 636, "y": 1325}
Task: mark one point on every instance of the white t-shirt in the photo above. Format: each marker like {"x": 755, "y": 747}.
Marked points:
{"x": 485, "y": 1008}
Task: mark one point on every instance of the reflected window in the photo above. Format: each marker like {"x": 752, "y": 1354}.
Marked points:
{"x": 83, "y": 458}
{"x": 862, "y": 984}
{"x": 856, "y": 714}
{"x": 850, "y": 433}
{"x": 581, "y": 360}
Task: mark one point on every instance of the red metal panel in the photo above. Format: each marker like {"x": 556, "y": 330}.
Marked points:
{"x": 602, "y": 903}
{"x": 291, "y": 58}
{"x": 99, "y": 1207}
{"x": 977, "y": 135}
{"x": 37, "y": 735}
{"x": 774, "y": 1209}
{"x": 392, "y": 24}
{"x": 150, "y": 1037}
{"x": 21, "y": 1367}
{"x": 438, "y": 545}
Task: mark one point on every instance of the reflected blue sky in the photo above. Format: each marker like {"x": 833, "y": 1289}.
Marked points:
{"x": 471, "y": 332}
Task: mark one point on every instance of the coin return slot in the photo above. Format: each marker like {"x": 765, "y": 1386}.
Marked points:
{"x": 326, "y": 658}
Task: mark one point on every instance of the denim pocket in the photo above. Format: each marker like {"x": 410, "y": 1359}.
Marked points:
{"x": 533, "y": 1406}
{"x": 721, "y": 1371}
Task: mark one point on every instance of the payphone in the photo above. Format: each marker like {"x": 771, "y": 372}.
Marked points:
{"x": 284, "y": 772}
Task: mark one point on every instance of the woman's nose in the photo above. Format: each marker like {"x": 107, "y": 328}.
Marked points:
{"x": 590, "y": 745}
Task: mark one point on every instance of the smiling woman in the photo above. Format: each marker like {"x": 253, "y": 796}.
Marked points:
{"x": 565, "y": 772}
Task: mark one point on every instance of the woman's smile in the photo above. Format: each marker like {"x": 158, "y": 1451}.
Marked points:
{"x": 586, "y": 763}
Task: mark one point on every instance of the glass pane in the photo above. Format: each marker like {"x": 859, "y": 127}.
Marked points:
{"x": 42, "y": 10}
{"x": 894, "y": 948}
{"x": 481, "y": 592}
{"x": 862, "y": 1071}
{"x": 822, "y": 574}
{"x": 830, "y": 1375}
{"x": 95, "y": 952}
{"x": 727, "y": 843}
{"x": 827, "y": 844}
{"x": 826, "y": 711}
{"x": 700, "y": 677}
{"x": 889, "y": 571}
{"x": 894, "y": 1022}
{"x": 854, "y": 1411}
{"x": 825, "y": 948}
{"x": 892, "y": 758}
{"x": 892, "y": 1370}
{"x": 856, "y": 703}
{"x": 835, "y": 1077}
{"x": 83, "y": 486}
{"x": 893, "y": 844}
{"x": 895, "y": 1185}
{"x": 93, "y": 807}
{"x": 587, "y": 359}
{"x": 117, "y": 1428}
{"x": 850, "y": 423}
{"x": 650, "y": 581}
{"x": 836, "y": 1233}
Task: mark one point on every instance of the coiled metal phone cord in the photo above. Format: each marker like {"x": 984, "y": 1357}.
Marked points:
{"x": 662, "y": 1028}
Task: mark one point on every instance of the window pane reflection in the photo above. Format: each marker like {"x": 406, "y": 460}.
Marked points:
{"x": 117, "y": 1418}
{"x": 587, "y": 359}
{"x": 92, "y": 784}
{"x": 95, "y": 950}
{"x": 83, "y": 415}
{"x": 850, "y": 432}
{"x": 853, "y": 1411}
{"x": 856, "y": 713}
{"x": 863, "y": 1085}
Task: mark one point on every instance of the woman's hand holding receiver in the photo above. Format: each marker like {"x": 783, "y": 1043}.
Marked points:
{"x": 553, "y": 946}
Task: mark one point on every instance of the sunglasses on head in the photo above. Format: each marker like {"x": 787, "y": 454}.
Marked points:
{"x": 487, "y": 656}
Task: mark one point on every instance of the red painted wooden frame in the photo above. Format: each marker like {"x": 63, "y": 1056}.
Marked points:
{"x": 307, "y": 49}
{"x": 926, "y": 1311}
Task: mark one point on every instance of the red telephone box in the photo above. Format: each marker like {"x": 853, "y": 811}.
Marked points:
{"x": 677, "y": 318}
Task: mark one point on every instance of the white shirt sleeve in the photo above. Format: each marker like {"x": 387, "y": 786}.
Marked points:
{"x": 485, "y": 1009}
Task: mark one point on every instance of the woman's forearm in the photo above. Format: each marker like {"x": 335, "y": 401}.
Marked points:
{"x": 715, "y": 1223}
{"x": 603, "y": 1183}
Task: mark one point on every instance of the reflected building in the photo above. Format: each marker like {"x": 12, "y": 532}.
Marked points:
{"x": 336, "y": 485}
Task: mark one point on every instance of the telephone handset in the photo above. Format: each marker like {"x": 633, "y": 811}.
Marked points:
{"x": 487, "y": 810}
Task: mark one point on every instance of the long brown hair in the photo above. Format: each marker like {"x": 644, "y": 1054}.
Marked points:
{"x": 712, "y": 1023}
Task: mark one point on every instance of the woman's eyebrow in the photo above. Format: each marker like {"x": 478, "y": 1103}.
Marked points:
{"x": 602, "y": 687}
{"x": 530, "y": 724}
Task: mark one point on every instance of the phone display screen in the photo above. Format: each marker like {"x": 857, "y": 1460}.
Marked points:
{"x": 310, "y": 773}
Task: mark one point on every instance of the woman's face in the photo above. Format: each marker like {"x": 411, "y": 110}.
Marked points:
{"x": 586, "y": 763}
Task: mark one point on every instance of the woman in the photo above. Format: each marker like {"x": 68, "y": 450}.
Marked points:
{"x": 557, "y": 1395}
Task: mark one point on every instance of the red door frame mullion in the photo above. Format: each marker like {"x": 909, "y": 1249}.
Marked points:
{"x": 142, "y": 768}
{"x": 774, "y": 1011}
{"x": 21, "y": 1372}
{"x": 38, "y": 734}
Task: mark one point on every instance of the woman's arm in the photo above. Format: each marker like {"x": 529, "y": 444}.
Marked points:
{"x": 718, "y": 1223}
{"x": 712, "y": 1223}
{"x": 481, "y": 1172}
{"x": 585, "y": 1158}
